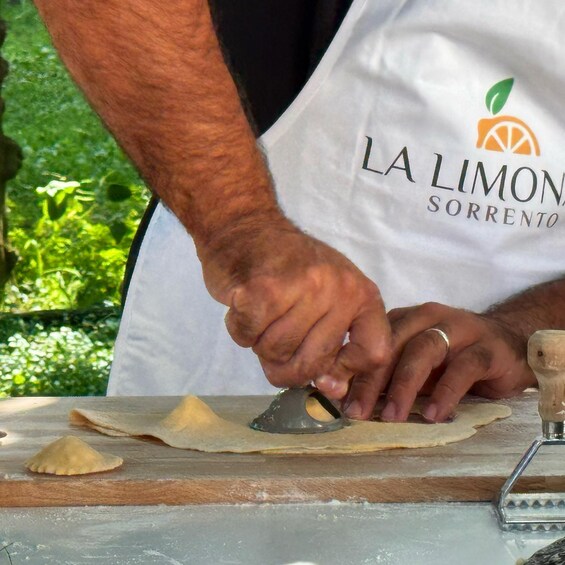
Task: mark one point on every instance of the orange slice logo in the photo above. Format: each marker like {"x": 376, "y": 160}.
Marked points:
{"x": 507, "y": 134}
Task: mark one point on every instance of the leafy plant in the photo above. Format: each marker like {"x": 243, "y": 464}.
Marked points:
{"x": 74, "y": 255}
{"x": 73, "y": 209}
{"x": 38, "y": 360}
{"x": 60, "y": 135}
{"x": 72, "y": 234}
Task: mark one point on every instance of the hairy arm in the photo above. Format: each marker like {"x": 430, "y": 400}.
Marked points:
{"x": 155, "y": 74}
{"x": 540, "y": 307}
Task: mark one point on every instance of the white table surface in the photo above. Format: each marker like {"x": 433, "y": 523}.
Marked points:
{"x": 321, "y": 534}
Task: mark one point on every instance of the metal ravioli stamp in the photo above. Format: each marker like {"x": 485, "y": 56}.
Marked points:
{"x": 539, "y": 510}
{"x": 288, "y": 413}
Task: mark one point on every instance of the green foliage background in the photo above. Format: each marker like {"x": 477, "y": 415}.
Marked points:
{"x": 68, "y": 358}
{"x": 73, "y": 210}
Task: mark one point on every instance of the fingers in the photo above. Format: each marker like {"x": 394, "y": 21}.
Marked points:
{"x": 298, "y": 329}
{"x": 313, "y": 358}
{"x": 406, "y": 324}
{"x": 421, "y": 355}
{"x": 364, "y": 393}
{"x": 368, "y": 350}
{"x": 446, "y": 352}
{"x": 294, "y": 299}
{"x": 322, "y": 356}
{"x": 254, "y": 307}
{"x": 282, "y": 338}
{"x": 426, "y": 339}
{"x": 458, "y": 351}
{"x": 470, "y": 366}
{"x": 369, "y": 347}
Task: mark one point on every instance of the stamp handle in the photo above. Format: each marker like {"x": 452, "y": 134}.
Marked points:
{"x": 546, "y": 357}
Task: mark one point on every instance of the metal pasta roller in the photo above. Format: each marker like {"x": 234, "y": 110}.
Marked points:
{"x": 300, "y": 411}
{"x": 540, "y": 510}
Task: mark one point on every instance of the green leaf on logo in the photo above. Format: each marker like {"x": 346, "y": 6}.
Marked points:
{"x": 498, "y": 95}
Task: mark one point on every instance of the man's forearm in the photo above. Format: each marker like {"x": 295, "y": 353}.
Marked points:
{"x": 540, "y": 307}
{"x": 156, "y": 76}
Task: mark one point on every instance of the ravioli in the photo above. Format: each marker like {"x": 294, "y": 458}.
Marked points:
{"x": 70, "y": 455}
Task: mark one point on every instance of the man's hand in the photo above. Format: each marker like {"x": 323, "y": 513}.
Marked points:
{"x": 294, "y": 300}
{"x": 485, "y": 356}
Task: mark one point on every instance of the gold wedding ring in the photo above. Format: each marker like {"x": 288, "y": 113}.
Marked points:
{"x": 443, "y": 336}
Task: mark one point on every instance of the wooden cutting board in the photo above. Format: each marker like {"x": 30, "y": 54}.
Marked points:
{"x": 153, "y": 473}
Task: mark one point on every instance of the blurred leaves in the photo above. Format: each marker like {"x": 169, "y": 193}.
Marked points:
{"x": 74, "y": 255}
{"x": 55, "y": 360}
{"x": 73, "y": 209}
{"x": 118, "y": 192}
{"x": 75, "y": 205}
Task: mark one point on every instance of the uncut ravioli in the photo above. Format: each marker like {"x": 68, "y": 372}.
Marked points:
{"x": 70, "y": 455}
{"x": 193, "y": 425}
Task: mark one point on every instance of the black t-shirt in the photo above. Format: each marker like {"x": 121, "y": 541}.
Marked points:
{"x": 271, "y": 48}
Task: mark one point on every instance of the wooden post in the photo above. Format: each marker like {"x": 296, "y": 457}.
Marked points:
{"x": 10, "y": 162}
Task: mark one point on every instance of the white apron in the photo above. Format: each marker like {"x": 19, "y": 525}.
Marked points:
{"x": 394, "y": 154}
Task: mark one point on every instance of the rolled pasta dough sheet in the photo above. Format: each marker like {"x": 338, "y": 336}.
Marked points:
{"x": 193, "y": 425}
